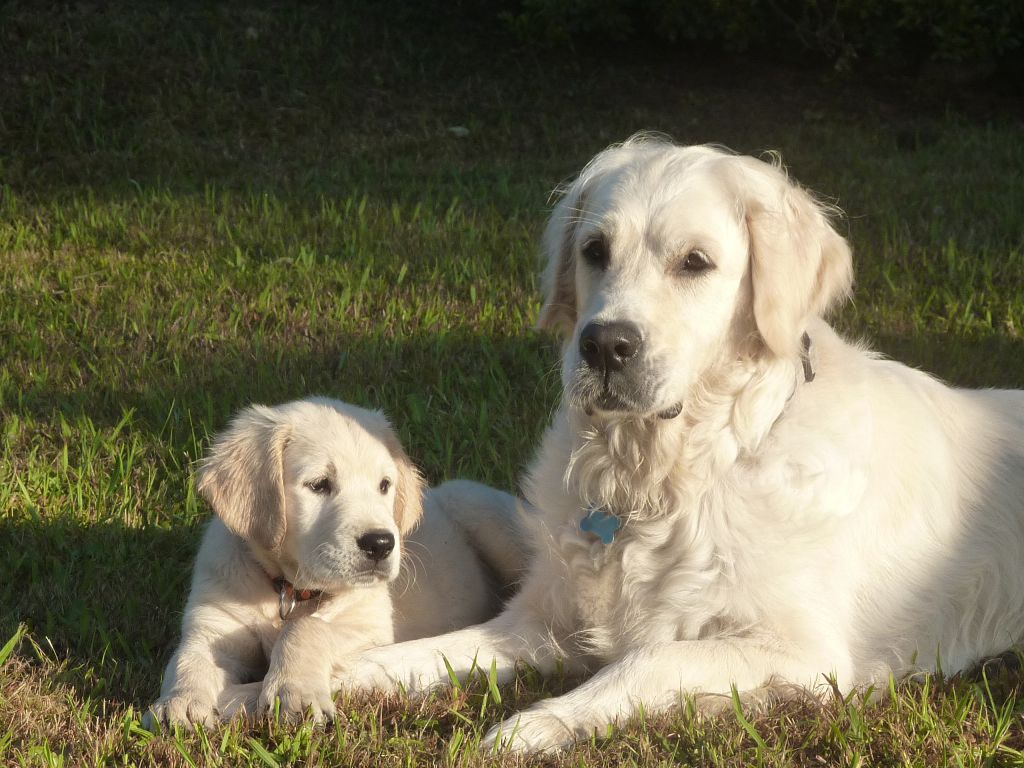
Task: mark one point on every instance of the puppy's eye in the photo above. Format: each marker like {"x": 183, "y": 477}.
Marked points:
{"x": 596, "y": 254}
{"x": 385, "y": 486}
{"x": 321, "y": 486}
{"x": 695, "y": 262}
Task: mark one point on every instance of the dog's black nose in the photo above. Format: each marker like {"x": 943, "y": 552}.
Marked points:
{"x": 376, "y": 544}
{"x": 609, "y": 347}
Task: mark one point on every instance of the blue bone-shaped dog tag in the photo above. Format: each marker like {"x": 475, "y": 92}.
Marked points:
{"x": 602, "y": 524}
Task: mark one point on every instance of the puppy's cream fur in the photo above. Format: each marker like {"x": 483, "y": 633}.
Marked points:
{"x": 778, "y": 530}
{"x": 294, "y": 487}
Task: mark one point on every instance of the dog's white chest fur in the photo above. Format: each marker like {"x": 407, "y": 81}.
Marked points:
{"x": 618, "y": 590}
{"x": 596, "y": 570}
{"x": 613, "y": 597}
{"x": 682, "y": 566}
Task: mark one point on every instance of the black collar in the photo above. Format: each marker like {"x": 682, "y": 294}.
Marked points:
{"x": 805, "y": 358}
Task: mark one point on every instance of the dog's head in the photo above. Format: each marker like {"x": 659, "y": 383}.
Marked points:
{"x": 665, "y": 261}
{"x": 318, "y": 483}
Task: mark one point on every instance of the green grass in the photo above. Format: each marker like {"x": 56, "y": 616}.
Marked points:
{"x": 205, "y": 207}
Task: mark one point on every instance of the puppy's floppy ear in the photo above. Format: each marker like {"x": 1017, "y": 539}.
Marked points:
{"x": 559, "y": 278}
{"x": 800, "y": 266}
{"x": 409, "y": 485}
{"x": 242, "y": 478}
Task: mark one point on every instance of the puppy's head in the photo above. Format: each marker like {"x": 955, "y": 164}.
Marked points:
{"x": 318, "y": 483}
{"x": 665, "y": 261}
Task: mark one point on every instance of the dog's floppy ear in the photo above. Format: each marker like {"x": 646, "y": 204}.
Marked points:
{"x": 558, "y": 280}
{"x": 242, "y": 478}
{"x": 800, "y": 266}
{"x": 409, "y": 485}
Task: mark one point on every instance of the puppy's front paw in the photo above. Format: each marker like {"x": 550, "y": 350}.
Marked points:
{"x": 296, "y": 696}
{"x": 180, "y": 708}
{"x": 535, "y": 730}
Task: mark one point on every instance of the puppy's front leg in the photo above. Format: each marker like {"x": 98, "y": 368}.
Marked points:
{"x": 216, "y": 651}
{"x": 305, "y": 655}
{"x": 300, "y": 670}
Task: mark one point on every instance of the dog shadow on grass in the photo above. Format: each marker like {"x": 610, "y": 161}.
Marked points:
{"x": 102, "y": 600}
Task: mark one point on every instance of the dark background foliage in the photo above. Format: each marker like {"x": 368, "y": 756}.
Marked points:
{"x": 969, "y": 39}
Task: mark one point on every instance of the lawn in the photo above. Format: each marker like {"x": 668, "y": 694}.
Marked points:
{"x": 205, "y": 206}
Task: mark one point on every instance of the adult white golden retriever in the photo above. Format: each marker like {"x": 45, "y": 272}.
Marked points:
{"x": 731, "y": 494}
{"x": 313, "y": 499}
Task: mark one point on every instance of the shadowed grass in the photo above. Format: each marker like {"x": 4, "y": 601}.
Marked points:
{"x": 201, "y": 207}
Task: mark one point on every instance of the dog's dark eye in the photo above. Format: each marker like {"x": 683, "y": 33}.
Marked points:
{"x": 320, "y": 486}
{"x": 695, "y": 262}
{"x": 596, "y": 253}
{"x": 385, "y": 486}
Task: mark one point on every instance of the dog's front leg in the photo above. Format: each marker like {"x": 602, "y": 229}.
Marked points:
{"x": 418, "y": 666}
{"x": 656, "y": 677}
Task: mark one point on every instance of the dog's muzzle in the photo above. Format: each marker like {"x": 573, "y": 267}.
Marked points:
{"x": 612, "y": 355}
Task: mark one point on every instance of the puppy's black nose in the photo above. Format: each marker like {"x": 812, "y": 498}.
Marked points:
{"x": 609, "y": 347}
{"x": 376, "y": 544}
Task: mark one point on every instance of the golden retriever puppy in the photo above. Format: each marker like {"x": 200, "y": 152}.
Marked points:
{"x": 312, "y": 556}
{"x": 732, "y": 494}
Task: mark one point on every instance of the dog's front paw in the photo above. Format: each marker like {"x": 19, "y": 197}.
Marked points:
{"x": 536, "y": 730}
{"x": 381, "y": 670}
{"x": 295, "y": 697}
{"x": 180, "y": 708}
{"x": 366, "y": 675}
{"x": 240, "y": 700}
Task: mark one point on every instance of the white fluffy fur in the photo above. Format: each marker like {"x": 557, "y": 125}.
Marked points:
{"x": 777, "y": 531}
{"x": 236, "y": 654}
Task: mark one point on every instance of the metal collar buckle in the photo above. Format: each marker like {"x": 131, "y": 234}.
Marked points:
{"x": 285, "y": 600}
{"x": 288, "y": 596}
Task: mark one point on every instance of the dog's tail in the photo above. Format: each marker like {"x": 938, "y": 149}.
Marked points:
{"x": 494, "y": 523}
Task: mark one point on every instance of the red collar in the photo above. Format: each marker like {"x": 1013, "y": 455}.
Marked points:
{"x": 288, "y": 595}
